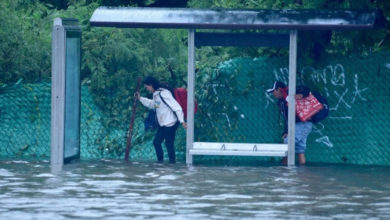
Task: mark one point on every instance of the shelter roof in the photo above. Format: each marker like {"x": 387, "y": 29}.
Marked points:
{"x": 236, "y": 19}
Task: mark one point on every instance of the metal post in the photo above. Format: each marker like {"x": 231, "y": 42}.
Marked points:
{"x": 57, "y": 96}
{"x": 291, "y": 97}
{"x": 191, "y": 94}
{"x": 65, "y": 95}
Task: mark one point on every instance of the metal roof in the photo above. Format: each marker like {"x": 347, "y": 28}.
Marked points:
{"x": 236, "y": 19}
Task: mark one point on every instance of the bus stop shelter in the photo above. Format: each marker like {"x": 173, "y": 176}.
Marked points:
{"x": 289, "y": 21}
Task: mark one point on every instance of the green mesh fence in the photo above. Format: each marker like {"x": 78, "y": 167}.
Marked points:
{"x": 25, "y": 120}
{"x": 25, "y": 127}
{"x": 233, "y": 107}
{"x": 355, "y": 131}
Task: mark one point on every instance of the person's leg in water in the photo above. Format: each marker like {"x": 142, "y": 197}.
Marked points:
{"x": 158, "y": 139}
{"x": 170, "y": 133}
{"x": 302, "y": 130}
{"x": 301, "y": 159}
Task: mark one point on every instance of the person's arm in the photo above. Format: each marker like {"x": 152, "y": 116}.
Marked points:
{"x": 285, "y": 129}
{"x": 174, "y": 106}
{"x": 284, "y": 112}
{"x": 145, "y": 101}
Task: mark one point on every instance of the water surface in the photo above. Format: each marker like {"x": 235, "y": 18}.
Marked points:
{"x": 114, "y": 189}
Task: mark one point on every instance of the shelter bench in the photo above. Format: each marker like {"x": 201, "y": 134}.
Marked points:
{"x": 239, "y": 149}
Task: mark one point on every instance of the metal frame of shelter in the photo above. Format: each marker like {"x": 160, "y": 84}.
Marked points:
{"x": 65, "y": 92}
{"x": 192, "y": 19}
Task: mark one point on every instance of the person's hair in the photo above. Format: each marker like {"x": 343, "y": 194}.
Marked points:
{"x": 151, "y": 81}
{"x": 279, "y": 84}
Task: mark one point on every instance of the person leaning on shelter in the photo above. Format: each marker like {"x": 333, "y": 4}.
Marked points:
{"x": 302, "y": 129}
{"x": 168, "y": 113}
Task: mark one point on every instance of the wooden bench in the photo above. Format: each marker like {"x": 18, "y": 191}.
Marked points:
{"x": 239, "y": 149}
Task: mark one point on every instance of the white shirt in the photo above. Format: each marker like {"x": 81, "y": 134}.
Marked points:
{"x": 165, "y": 116}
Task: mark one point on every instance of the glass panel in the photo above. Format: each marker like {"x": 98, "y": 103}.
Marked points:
{"x": 72, "y": 99}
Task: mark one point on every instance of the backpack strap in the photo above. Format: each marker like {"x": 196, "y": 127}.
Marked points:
{"x": 162, "y": 99}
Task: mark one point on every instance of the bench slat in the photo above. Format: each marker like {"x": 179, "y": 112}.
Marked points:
{"x": 239, "y": 153}
{"x": 239, "y": 149}
{"x": 239, "y": 146}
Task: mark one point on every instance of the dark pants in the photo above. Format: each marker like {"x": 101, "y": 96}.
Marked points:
{"x": 167, "y": 133}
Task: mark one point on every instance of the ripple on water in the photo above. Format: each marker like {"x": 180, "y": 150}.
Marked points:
{"x": 111, "y": 175}
{"x": 109, "y": 184}
{"x": 226, "y": 196}
{"x": 152, "y": 174}
{"x": 32, "y": 216}
{"x": 154, "y": 213}
{"x": 4, "y": 172}
{"x": 117, "y": 175}
{"x": 45, "y": 175}
{"x": 168, "y": 177}
{"x": 55, "y": 191}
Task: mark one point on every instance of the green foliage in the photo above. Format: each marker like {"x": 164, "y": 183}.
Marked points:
{"x": 24, "y": 41}
{"x": 114, "y": 58}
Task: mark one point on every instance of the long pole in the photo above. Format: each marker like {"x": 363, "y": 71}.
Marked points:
{"x": 133, "y": 109}
{"x": 291, "y": 96}
{"x": 191, "y": 90}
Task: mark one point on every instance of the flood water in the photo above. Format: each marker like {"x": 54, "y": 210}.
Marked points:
{"x": 113, "y": 189}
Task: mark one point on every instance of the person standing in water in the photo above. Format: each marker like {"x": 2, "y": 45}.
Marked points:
{"x": 169, "y": 114}
{"x": 302, "y": 129}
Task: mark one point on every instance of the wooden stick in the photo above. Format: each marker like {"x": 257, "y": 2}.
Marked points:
{"x": 133, "y": 109}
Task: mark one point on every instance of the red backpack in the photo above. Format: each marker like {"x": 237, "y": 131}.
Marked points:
{"x": 180, "y": 95}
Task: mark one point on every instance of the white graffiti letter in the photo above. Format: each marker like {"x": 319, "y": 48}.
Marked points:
{"x": 338, "y": 76}
{"x": 341, "y": 99}
{"x": 325, "y": 140}
{"x": 357, "y": 92}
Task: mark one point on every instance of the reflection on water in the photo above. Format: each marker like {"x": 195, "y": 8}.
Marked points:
{"x": 118, "y": 190}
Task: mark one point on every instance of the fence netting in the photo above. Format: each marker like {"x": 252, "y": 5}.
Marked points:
{"x": 233, "y": 107}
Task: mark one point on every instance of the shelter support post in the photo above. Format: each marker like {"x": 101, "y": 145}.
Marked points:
{"x": 191, "y": 94}
{"x": 291, "y": 97}
{"x": 57, "y": 96}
